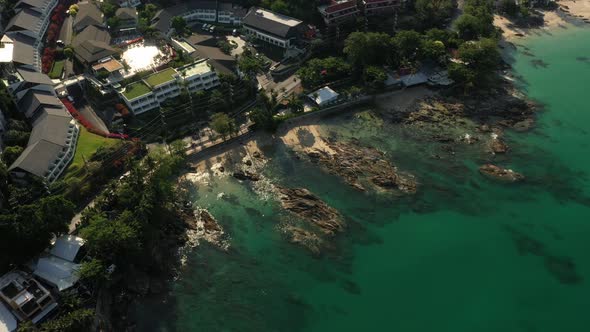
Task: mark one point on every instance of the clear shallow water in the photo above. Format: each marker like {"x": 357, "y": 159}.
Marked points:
{"x": 465, "y": 254}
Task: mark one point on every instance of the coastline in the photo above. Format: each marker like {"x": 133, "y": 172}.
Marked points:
{"x": 295, "y": 134}
{"x": 235, "y": 152}
{"x": 568, "y": 12}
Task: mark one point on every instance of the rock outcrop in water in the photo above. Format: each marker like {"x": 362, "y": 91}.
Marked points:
{"x": 304, "y": 238}
{"x": 206, "y": 228}
{"x": 246, "y": 175}
{"x": 498, "y": 146}
{"x": 360, "y": 166}
{"x": 502, "y": 106}
{"x": 311, "y": 208}
{"x": 501, "y": 174}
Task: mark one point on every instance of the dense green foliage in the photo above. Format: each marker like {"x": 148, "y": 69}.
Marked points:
{"x": 370, "y": 48}
{"x": 433, "y": 13}
{"x": 263, "y": 118}
{"x": 10, "y": 154}
{"x": 73, "y": 321}
{"x": 318, "y": 71}
{"x": 129, "y": 218}
{"x": 249, "y": 64}
{"x": 476, "y": 21}
{"x": 479, "y": 59}
{"x": 27, "y": 228}
{"x": 374, "y": 77}
{"x": 179, "y": 25}
{"x": 222, "y": 124}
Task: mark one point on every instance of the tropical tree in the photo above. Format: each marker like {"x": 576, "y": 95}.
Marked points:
{"x": 433, "y": 13}
{"x": 249, "y": 64}
{"x": 69, "y": 52}
{"x": 368, "y": 48}
{"x": 110, "y": 240}
{"x": 263, "y": 118}
{"x": 408, "y": 43}
{"x": 223, "y": 125}
{"x": 317, "y": 71}
{"x": 478, "y": 62}
{"x": 375, "y": 77}
{"x": 469, "y": 27}
{"x": 179, "y": 25}
{"x": 10, "y": 154}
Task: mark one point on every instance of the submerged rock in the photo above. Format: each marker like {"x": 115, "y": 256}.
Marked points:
{"x": 498, "y": 146}
{"x": 501, "y": 174}
{"x": 524, "y": 125}
{"x": 309, "y": 207}
{"x": 304, "y": 238}
{"x": 246, "y": 175}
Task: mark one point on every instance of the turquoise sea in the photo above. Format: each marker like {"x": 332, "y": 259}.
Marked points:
{"x": 465, "y": 254}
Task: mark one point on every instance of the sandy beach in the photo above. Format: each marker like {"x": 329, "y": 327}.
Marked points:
{"x": 569, "y": 12}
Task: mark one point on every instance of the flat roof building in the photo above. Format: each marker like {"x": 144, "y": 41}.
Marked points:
{"x": 148, "y": 94}
{"x": 273, "y": 28}
{"x": 25, "y": 297}
{"x": 338, "y": 11}
{"x": 194, "y": 11}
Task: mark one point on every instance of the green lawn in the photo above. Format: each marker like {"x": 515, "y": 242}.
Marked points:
{"x": 161, "y": 77}
{"x": 135, "y": 90}
{"x": 57, "y": 69}
{"x": 87, "y": 144}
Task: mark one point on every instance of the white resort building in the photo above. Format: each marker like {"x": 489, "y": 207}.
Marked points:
{"x": 149, "y": 93}
{"x": 195, "y": 11}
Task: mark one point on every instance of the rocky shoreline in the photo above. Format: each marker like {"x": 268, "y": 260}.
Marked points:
{"x": 502, "y": 107}
{"x": 362, "y": 167}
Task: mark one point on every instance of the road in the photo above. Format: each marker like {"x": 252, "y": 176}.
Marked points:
{"x": 66, "y": 34}
{"x": 94, "y": 119}
{"x": 76, "y": 220}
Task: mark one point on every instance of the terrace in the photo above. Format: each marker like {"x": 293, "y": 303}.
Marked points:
{"x": 28, "y": 299}
{"x": 136, "y": 90}
{"x": 140, "y": 56}
{"x": 162, "y": 77}
{"x": 197, "y": 68}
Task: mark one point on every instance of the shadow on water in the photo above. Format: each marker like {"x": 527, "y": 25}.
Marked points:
{"x": 560, "y": 267}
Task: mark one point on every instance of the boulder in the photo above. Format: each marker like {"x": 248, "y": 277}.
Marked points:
{"x": 500, "y": 174}
{"x": 246, "y": 175}
{"x": 498, "y": 146}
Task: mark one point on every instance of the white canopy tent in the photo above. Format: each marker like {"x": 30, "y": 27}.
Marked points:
{"x": 67, "y": 247}
{"x": 59, "y": 272}
{"x": 324, "y": 96}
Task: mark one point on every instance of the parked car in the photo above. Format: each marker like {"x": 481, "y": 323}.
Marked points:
{"x": 205, "y": 26}
{"x": 235, "y": 32}
{"x": 212, "y": 29}
{"x": 60, "y": 43}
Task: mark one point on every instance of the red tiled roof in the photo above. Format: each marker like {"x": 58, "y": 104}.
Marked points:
{"x": 341, "y": 6}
